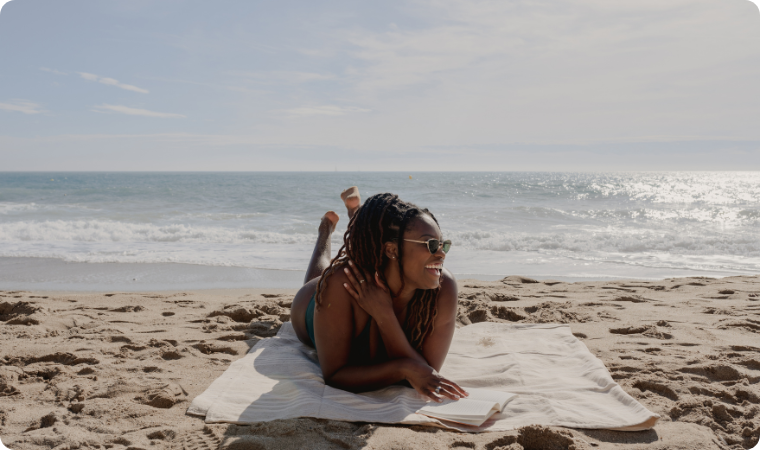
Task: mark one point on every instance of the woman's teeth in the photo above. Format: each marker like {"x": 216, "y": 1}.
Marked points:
{"x": 436, "y": 268}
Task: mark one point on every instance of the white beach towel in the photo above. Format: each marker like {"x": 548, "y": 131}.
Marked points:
{"x": 558, "y": 382}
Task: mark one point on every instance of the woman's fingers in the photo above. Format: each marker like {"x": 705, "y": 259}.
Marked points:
{"x": 430, "y": 393}
{"x": 453, "y": 387}
{"x": 352, "y": 279}
{"x": 444, "y": 389}
{"x": 449, "y": 392}
{"x": 351, "y": 291}
{"x": 443, "y": 393}
{"x": 357, "y": 272}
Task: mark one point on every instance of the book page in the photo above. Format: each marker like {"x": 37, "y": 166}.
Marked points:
{"x": 501, "y": 398}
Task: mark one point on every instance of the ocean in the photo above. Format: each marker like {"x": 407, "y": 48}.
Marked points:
{"x": 150, "y": 231}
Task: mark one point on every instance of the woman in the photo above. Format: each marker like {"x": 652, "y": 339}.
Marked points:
{"x": 384, "y": 309}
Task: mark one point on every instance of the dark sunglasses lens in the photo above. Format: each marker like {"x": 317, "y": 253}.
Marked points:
{"x": 446, "y": 246}
{"x": 433, "y": 245}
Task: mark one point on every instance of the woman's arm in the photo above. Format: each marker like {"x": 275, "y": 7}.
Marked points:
{"x": 334, "y": 330}
{"x": 373, "y": 297}
{"x": 334, "y": 322}
{"x": 436, "y": 345}
{"x": 368, "y": 378}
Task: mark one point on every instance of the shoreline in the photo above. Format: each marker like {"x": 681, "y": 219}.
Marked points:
{"x": 118, "y": 369}
{"x": 57, "y": 275}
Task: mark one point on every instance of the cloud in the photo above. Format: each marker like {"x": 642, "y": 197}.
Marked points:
{"x": 112, "y": 82}
{"x": 57, "y": 72}
{"x": 325, "y": 110}
{"x": 284, "y": 76}
{"x": 2, "y": 3}
{"x": 22, "y": 106}
{"x": 136, "y": 111}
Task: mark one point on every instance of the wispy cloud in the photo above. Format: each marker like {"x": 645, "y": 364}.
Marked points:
{"x": 324, "y": 110}
{"x": 136, "y": 111}
{"x": 243, "y": 89}
{"x": 284, "y": 76}
{"x": 57, "y": 72}
{"x": 22, "y": 106}
{"x": 111, "y": 82}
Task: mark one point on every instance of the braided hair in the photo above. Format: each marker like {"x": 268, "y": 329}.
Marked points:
{"x": 383, "y": 218}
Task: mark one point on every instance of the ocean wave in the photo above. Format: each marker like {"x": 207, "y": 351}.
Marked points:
{"x": 613, "y": 241}
{"x": 7, "y": 208}
{"x": 580, "y": 239}
{"x": 115, "y": 231}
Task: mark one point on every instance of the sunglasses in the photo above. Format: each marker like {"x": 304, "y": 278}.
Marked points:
{"x": 434, "y": 244}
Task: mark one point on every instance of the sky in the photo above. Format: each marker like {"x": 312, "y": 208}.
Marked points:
{"x": 482, "y": 85}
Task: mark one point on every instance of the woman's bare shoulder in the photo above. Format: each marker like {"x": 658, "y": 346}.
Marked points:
{"x": 448, "y": 282}
{"x": 333, "y": 290}
{"x": 447, "y": 296}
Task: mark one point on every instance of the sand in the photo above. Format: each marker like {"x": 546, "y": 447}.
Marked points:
{"x": 118, "y": 370}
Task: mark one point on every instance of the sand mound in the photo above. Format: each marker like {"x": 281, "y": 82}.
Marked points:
{"x": 646, "y": 330}
{"x": 8, "y": 380}
{"x": 21, "y": 313}
{"x": 517, "y": 279}
{"x": 164, "y": 396}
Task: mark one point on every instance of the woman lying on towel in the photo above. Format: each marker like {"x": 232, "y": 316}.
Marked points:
{"x": 384, "y": 309}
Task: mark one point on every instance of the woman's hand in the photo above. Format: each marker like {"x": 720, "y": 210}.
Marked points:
{"x": 371, "y": 294}
{"x": 428, "y": 382}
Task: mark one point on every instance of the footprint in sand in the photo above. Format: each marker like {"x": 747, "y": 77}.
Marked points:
{"x": 67, "y": 359}
{"x": 554, "y": 312}
{"x": 657, "y": 388}
{"x": 504, "y": 313}
{"x": 237, "y": 313}
{"x": 162, "y": 435}
{"x": 747, "y": 324}
{"x": 715, "y": 372}
{"x": 646, "y": 330}
{"x": 204, "y": 439}
{"x": 129, "y": 308}
{"x": 171, "y": 355}
{"x": 210, "y": 348}
{"x": 535, "y": 437}
{"x": 163, "y": 397}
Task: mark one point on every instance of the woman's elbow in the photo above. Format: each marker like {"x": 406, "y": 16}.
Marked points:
{"x": 335, "y": 382}
{"x": 332, "y": 379}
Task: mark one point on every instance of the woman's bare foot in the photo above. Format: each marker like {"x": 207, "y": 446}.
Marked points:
{"x": 328, "y": 222}
{"x": 351, "y": 199}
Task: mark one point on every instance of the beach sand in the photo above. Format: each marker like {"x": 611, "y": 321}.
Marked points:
{"x": 118, "y": 370}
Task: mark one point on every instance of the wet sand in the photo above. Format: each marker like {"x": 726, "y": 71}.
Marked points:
{"x": 118, "y": 370}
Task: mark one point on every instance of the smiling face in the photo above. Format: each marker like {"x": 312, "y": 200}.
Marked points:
{"x": 422, "y": 269}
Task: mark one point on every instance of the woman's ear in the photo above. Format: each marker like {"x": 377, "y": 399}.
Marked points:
{"x": 391, "y": 250}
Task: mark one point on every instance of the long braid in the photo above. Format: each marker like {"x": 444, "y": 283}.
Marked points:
{"x": 383, "y": 218}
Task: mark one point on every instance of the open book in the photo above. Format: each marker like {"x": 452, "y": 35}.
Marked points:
{"x": 472, "y": 410}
